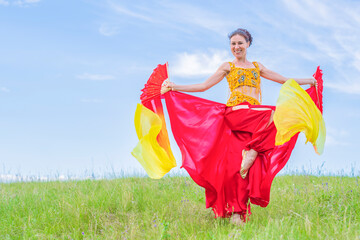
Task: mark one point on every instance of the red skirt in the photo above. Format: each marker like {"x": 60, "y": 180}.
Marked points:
{"x": 211, "y": 137}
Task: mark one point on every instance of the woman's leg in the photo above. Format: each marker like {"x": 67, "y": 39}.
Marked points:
{"x": 248, "y": 160}
{"x": 259, "y": 122}
{"x": 250, "y": 155}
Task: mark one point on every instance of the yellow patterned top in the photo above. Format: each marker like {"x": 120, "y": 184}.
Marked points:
{"x": 240, "y": 77}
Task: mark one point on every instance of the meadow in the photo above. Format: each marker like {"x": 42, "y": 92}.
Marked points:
{"x": 301, "y": 207}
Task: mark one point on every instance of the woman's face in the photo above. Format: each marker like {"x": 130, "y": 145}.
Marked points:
{"x": 238, "y": 46}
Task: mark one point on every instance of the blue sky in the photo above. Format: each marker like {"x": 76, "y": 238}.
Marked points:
{"x": 71, "y": 73}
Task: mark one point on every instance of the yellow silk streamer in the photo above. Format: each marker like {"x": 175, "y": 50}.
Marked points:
{"x": 155, "y": 160}
{"x": 296, "y": 112}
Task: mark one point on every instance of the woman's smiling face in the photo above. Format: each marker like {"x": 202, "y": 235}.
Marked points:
{"x": 238, "y": 45}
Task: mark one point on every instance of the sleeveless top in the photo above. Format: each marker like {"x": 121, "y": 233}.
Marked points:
{"x": 240, "y": 77}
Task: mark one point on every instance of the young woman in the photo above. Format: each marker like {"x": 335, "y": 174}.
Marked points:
{"x": 222, "y": 144}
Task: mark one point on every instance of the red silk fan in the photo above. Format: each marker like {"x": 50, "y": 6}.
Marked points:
{"x": 153, "y": 85}
{"x": 316, "y": 92}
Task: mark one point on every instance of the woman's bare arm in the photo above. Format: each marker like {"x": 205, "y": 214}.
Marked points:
{"x": 222, "y": 71}
{"x": 276, "y": 77}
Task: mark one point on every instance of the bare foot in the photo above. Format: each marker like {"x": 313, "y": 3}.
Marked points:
{"x": 236, "y": 220}
{"x": 248, "y": 160}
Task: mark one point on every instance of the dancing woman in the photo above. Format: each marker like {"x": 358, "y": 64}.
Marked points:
{"x": 230, "y": 149}
{"x": 243, "y": 77}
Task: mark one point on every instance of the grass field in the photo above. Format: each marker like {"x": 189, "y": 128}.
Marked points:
{"x": 301, "y": 207}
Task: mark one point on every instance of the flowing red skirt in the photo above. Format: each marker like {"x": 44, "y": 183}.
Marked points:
{"x": 211, "y": 137}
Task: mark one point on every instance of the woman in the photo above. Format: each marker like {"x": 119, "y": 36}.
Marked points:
{"x": 228, "y": 189}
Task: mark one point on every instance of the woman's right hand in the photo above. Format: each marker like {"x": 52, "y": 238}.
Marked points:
{"x": 166, "y": 86}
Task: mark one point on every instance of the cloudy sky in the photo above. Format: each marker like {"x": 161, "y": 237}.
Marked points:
{"x": 71, "y": 73}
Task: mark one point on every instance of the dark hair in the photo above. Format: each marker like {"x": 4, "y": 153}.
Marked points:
{"x": 243, "y": 32}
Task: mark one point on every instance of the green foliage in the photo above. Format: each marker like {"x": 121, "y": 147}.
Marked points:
{"x": 301, "y": 207}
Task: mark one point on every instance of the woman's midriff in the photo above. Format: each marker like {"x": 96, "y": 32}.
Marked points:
{"x": 237, "y": 96}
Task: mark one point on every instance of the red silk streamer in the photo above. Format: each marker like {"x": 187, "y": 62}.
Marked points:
{"x": 211, "y": 141}
{"x": 211, "y": 150}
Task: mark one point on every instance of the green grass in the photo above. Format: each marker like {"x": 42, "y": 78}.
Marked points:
{"x": 301, "y": 207}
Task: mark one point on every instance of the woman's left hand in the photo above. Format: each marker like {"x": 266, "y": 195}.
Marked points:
{"x": 314, "y": 82}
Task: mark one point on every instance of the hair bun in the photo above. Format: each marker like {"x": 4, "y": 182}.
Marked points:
{"x": 243, "y": 32}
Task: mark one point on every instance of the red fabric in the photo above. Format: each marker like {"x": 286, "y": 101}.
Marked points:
{"x": 316, "y": 93}
{"x": 211, "y": 138}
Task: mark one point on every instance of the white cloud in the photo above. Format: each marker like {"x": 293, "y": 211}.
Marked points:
{"x": 122, "y": 10}
{"x": 328, "y": 28}
{"x": 91, "y": 100}
{"x": 95, "y": 77}
{"x": 322, "y": 44}
{"x": 355, "y": 113}
{"x": 332, "y": 141}
{"x": 181, "y": 13}
{"x": 25, "y": 3}
{"x": 336, "y": 137}
{"x": 320, "y": 13}
{"x": 332, "y": 29}
{"x": 180, "y": 16}
{"x": 350, "y": 88}
{"x": 4, "y": 3}
{"x": 356, "y": 63}
{"x": 108, "y": 30}
{"x": 4, "y": 89}
{"x": 337, "y": 132}
{"x": 198, "y": 64}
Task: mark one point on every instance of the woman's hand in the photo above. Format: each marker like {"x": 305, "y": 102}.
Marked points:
{"x": 314, "y": 82}
{"x": 166, "y": 86}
